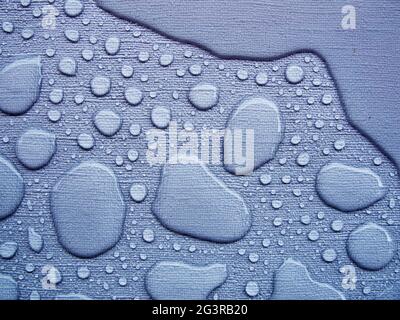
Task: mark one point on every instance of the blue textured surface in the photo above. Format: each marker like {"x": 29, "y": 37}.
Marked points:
{"x": 295, "y": 242}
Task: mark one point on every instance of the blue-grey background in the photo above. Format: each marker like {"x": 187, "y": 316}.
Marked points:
{"x": 131, "y": 258}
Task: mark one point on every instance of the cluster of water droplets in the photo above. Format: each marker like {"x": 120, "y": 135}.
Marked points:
{"x": 76, "y": 102}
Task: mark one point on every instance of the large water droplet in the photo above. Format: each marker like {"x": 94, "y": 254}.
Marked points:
{"x": 88, "y": 210}
{"x": 11, "y": 188}
{"x": 20, "y": 84}
{"x": 8, "y": 288}
{"x": 192, "y": 201}
{"x": 293, "y": 282}
{"x": 8, "y": 249}
{"x": 180, "y": 281}
{"x": 348, "y": 188}
{"x": 371, "y": 246}
{"x": 35, "y": 148}
{"x": 262, "y": 117}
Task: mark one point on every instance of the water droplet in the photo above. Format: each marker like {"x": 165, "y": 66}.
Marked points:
{"x": 313, "y": 235}
{"x": 261, "y": 116}
{"x": 326, "y": 99}
{"x": 20, "y": 84}
{"x": 56, "y": 96}
{"x": 303, "y": 159}
{"x": 294, "y": 74}
{"x": 252, "y": 288}
{"x": 54, "y": 115}
{"x": 34, "y": 296}
{"x": 195, "y": 69}
{"x": 8, "y": 249}
{"x": 266, "y": 243}
{"x": 377, "y": 161}
{"x": 87, "y": 54}
{"x": 276, "y": 204}
{"x": 166, "y": 60}
{"x": 133, "y": 95}
{"x": 67, "y": 66}
{"x": 253, "y": 257}
{"x": 339, "y": 144}
{"x": 161, "y": 116}
{"x": 73, "y": 8}
{"x": 72, "y": 35}
{"x": 179, "y": 281}
{"x": 329, "y": 255}
{"x": 143, "y": 56}
{"x": 35, "y": 148}
{"x": 148, "y": 235}
{"x": 8, "y": 288}
{"x": 107, "y": 122}
{"x": 337, "y": 225}
{"x": 262, "y": 78}
{"x": 242, "y": 74}
{"x": 122, "y": 281}
{"x": 135, "y": 129}
{"x": 11, "y": 188}
{"x": 203, "y": 96}
{"x": 295, "y": 140}
{"x": 133, "y": 155}
{"x": 192, "y": 201}
{"x": 72, "y": 296}
{"x": 100, "y": 85}
{"x": 293, "y": 282}
{"x": 35, "y": 240}
{"x": 88, "y": 210}
{"x": 112, "y": 45}
{"x": 349, "y": 188}
{"x": 265, "y": 179}
{"x": 127, "y": 71}
{"x": 27, "y": 33}
{"x": 305, "y": 219}
{"x": 138, "y": 192}
{"x": 30, "y": 267}
{"x": 86, "y": 141}
{"x": 371, "y": 246}
{"x": 83, "y": 272}
{"x": 8, "y": 26}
